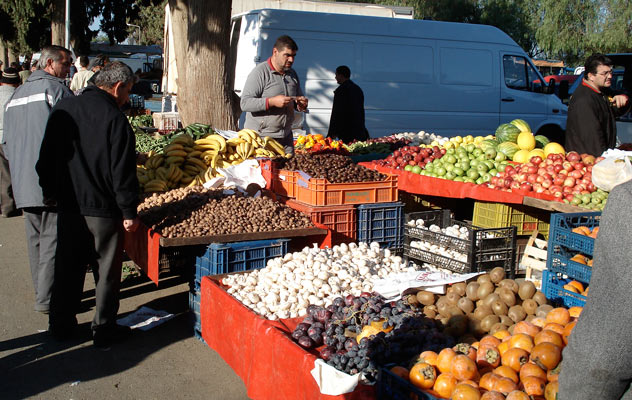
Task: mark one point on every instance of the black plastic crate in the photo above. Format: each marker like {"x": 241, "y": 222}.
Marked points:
{"x": 485, "y": 249}
{"x": 382, "y": 223}
{"x": 392, "y": 387}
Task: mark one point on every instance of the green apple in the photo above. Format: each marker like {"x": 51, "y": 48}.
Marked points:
{"x": 450, "y": 175}
{"x": 500, "y": 156}
{"x": 458, "y": 171}
{"x": 408, "y": 168}
{"x": 490, "y": 153}
{"x": 472, "y": 174}
{"x": 416, "y": 169}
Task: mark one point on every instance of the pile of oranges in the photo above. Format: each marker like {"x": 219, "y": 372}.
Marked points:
{"x": 521, "y": 365}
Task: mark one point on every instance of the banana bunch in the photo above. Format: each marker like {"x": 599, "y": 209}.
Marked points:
{"x": 188, "y": 162}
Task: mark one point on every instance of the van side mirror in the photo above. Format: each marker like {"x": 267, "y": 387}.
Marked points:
{"x": 551, "y": 88}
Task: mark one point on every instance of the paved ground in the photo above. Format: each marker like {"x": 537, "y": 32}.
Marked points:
{"x": 166, "y": 362}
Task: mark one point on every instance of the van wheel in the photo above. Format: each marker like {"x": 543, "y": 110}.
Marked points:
{"x": 553, "y": 133}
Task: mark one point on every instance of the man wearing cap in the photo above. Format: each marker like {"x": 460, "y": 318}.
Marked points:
{"x": 25, "y": 117}
{"x": 9, "y": 81}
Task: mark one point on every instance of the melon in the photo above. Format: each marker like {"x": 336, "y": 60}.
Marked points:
{"x": 554, "y": 148}
{"x": 521, "y": 124}
{"x": 521, "y": 156}
{"x": 508, "y": 149}
{"x": 526, "y": 141}
{"x": 541, "y": 141}
{"x": 507, "y": 133}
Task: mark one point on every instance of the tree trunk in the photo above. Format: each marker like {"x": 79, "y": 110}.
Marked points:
{"x": 4, "y": 54}
{"x": 57, "y": 28}
{"x": 201, "y": 32}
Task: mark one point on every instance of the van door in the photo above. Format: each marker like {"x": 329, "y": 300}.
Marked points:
{"x": 522, "y": 94}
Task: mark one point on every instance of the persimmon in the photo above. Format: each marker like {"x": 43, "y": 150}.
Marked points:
{"x": 581, "y": 230}
{"x": 517, "y": 395}
{"x": 423, "y": 375}
{"x": 470, "y": 382}
{"x": 551, "y": 389}
{"x": 507, "y": 372}
{"x": 428, "y": 357}
{"x": 546, "y": 355}
{"x": 488, "y": 381}
{"x": 527, "y": 328}
{"x": 578, "y": 285}
{"x": 465, "y": 349}
{"x": 400, "y": 371}
{"x": 530, "y": 369}
{"x": 489, "y": 340}
{"x": 464, "y": 391}
{"x": 547, "y": 336}
{"x": 554, "y": 327}
{"x": 515, "y": 358}
{"x": 503, "y": 347}
{"x": 575, "y": 311}
{"x": 595, "y": 231}
{"x": 539, "y": 322}
{"x": 501, "y": 334}
{"x": 590, "y": 262}
{"x": 463, "y": 367}
{"x": 475, "y": 345}
{"x": 571, "y": 288}
{"x": 554, "y": 374}
{"x": 585, "y": 293}
{"x": 579, "y": 258}
{"x": 567, "y": 331}
{"x": 505, "y": 386}
{"x": 492, "y": 395}
{"x": 487, "y": 356}
{"x": 444, "y": 360}
{"x": 533, "y": 386}
{"x": 444, "y": 385}
{"x": 521, "y": 341}
{"x": 558, "y": 315}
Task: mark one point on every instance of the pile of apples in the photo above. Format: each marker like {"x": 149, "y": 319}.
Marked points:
{"x": 414, "y": 156}
{"x": 557, "y": 175}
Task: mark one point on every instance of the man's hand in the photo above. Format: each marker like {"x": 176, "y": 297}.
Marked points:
{"x": 130, "y": 225}
{"x": 279, "y": 101}
{"x": 620, "y": 100}
{"x": 301, "y": 103}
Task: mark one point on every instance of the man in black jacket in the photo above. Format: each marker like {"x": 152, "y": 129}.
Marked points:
{"x": 87, "y": 168}
{"x": 347, "y": 113}
{"x": 591, "y": 127}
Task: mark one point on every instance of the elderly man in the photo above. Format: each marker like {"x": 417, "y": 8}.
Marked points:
{"x": 271, "y": 94}
{"x": 25, "y": 119}
{"x": 87, "y": 167}
{"x": 9, "y": 81}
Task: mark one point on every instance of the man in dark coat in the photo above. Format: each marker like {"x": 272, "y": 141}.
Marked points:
{"x": 347, "y": 113}
{"x": 87, "y": 167}
{"x": 591, "y": 126}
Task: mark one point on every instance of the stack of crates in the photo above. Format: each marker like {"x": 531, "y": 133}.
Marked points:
{"x": 564, "y": 244}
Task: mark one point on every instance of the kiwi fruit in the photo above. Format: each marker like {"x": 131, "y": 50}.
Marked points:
{"x": 484, "y": 289}
{"x": 426, "y": 298}
{"x": 511, "y": 329}
{"x": 539, "y": 298}
{"x": 460, "y": 288}
{"x": 505, "y": 320}
{"x": 490, "y": 299}
{"x": 412, "y": 300}
{"x": 543, "y": 310}
{"x": 442, "y": 307}
{"x": 529, "y": 318}
{"x": 466, "y": 305}
{"x": 481, "y": 312}
{"x": 471, "y": 291}
{"x": 454, "y": 310}
{"x": 507, "y": 296}
{"x": 488, "y": 322}
{"x": 516, "y": 313}
{"x": 452, "y": 297}
{"x": 530, "y": 306}
{"x": 499, "y": 307}
{"x": 509, "y": 283}
{"x": 430, "y": 311}
{"x": 483, "y": 278}
{"x": 499, "y": 326}
{"x": 526, "y": 290}
{"x": 497, "y": 274}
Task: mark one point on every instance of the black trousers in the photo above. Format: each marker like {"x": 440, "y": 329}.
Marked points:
{"x": 81, "y": 242}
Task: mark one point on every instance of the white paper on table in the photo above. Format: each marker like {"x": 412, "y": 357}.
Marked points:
{"x": 243, "y": 174}
{"x": 226, "y": 134}
{"x": 331, "y": 381}
{"x": 145, "y": 318}
{"x": 394, "y": 286}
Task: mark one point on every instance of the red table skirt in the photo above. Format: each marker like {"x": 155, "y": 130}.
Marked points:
{"x": 261, "y": 352}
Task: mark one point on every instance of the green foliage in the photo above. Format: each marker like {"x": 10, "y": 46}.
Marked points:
{"x": 151, "y": 19}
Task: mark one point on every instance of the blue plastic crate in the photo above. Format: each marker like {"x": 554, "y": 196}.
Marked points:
{"x": 392, "y": 387}
{"x": 223, "y": 258}
{"x": 194, "y": 308}
{"x": 561, "y": 231}
{"x": 559, "y": 261}
{"x": 553, "y": 289}
{"x": 382, "y": 223}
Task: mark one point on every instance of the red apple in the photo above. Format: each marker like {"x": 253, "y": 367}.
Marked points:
{"x": 541, "y": 171}
{"x": 591, "y": 187}
{"x": 532, "y": 169}
{"x": 558, "y": 180}
{"x": 525, "y": 186}
{"x": 411, "y": 162}
{"x": 576, "y": 174}
{"x": 569, "y": 197}
{"x": 567, "y": 189}
{"x": 540, "y": 179}
{"x": 515, "y": 185}
{"x": 573, "y": 156}
{"x": 547, "y": 183}
{"x": 568, "y": 166}
{"x": 558, "y": 195}
{"x": 588, "y": 159}
{"x": 443, "y": 151}
{"x": 397, "y": 153}
{"x": 563, "y": 172}
{"x": 578, "y": 166}
{"x": 569, "y": 182}
{"x": 538, "y": 188}
{"x": 532, "y": 178}
{"x": 535, "y": 160}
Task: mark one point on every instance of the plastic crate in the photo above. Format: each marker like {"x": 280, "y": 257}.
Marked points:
{"x": 392, "y": 387}
{"x": 223, "y": 258}
{"x": 382, "y": 223}
{"x": 561, "y": 231}
{"x": 499, "y": 215}
{"x": 485, "y": 248}
{"x": 166, "y": 122}
{"x": 194, "y": 308}
{"x": 559, "y": 261}
{"x": 342, "y": 220}
{"x": 320, "y": 192}
{"x": 553, "y": 289}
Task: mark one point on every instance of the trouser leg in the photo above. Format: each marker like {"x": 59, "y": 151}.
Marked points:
{"x": 7, "y": 203}
{"x": 32, "y": 222}
{"x": 108, "y": 241}
{"x": 47, "y": 249}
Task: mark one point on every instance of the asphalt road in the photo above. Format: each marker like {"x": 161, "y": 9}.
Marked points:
{"x": 166, "y": 362}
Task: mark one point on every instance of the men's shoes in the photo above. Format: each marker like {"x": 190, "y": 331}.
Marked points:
{"x": 104, "y": 337}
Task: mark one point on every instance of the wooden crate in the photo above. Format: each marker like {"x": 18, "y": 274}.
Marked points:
{"x": 534, "y": 259}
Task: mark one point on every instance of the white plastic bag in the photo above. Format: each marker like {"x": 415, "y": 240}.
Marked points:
{"x": 611, "y": 171}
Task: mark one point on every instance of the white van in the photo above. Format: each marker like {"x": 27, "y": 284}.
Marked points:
{"x": 443, "y": 77}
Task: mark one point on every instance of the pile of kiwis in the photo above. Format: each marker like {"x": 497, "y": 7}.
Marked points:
{"x": 484, "y": 305}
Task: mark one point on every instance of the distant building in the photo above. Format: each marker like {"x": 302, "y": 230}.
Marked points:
{"x": 549, "y": 67}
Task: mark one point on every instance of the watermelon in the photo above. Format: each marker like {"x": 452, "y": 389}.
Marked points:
{"x": 521, "y": 124}
{"x": 507, "y": 133}
{"x": 488, "y": 144}
{"x": 541, "y": 141}
{"x": 508, "y": 149}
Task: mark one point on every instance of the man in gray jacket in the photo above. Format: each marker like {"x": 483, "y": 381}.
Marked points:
{"x": 271, "y": 94}
{"x": 25, "y": 117}
{"x": 597, "y": 363}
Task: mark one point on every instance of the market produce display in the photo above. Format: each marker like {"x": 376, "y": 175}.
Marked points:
{"x": 190, "y": 162}
{"x": 288, "y": 285}
{"x": 412, "y": 158}
{"x": 333, "y": 167}
{"x": 140, "y": 121}
{"x": 146, "y": 142}
{"x": 594, "y": 201}
{"x": 197, "y": 211}
{"x": 316, "y": 143}
{"x": 421, "y": 138}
